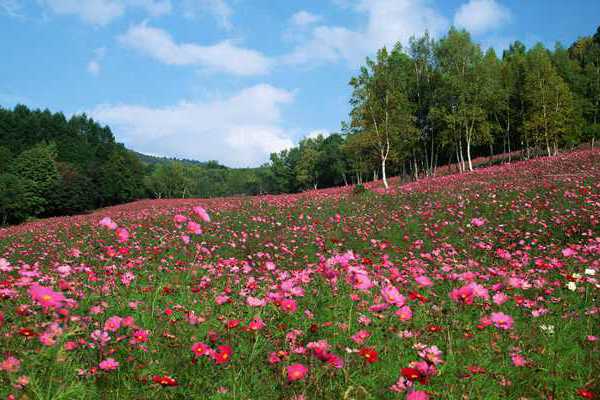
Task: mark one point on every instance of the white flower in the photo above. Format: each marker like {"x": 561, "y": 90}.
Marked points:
{"x": 547, "y": 328}
{"x": 576, "y": 276}
{"x": 590, "y": 272}
{"x": 571, "y": 286}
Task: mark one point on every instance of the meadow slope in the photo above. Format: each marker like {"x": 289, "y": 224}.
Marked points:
{"x": 476, "y": 286}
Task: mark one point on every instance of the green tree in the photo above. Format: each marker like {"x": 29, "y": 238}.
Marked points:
{"x": 37, "y": 169}
{"x": 381, "y": 110}
{"x": 550, "y": 113}
{"x": 460, "y": 62}
{"x": 16, "y": 200}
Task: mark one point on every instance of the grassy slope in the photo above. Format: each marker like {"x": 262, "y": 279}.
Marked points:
{"x": 533, "y": 210}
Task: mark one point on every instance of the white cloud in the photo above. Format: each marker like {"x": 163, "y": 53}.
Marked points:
{"x": 480, "y": 16}
{"x": 240, "y": 130}
{"x": 388, "y": 21}
{"x": 304, "y": 18}
{"x": 94, "y": 66}
{"x": 219, "y": 9}
{"x": 223, "y": 56}
{"x": 102, "y": 12}
{"x": 11, "y": 8}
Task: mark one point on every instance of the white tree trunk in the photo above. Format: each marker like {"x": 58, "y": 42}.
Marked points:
{"x": 469, "y": 154}
{"x": 383, "y": 173}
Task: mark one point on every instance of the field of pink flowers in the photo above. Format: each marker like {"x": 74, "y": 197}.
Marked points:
{"x": 476, "y": 286}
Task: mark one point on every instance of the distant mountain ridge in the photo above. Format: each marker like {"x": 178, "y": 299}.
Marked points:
{"x": 159, "y": 160}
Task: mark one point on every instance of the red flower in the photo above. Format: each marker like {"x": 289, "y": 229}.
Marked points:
{"x": 586, "y": 394}
{"x": 223, "y": 355}
{"x": 27, "y": 332}
{"x": 232, "y": 323}
{"x": 413, "y": 374}
{"x": 164, "y": 380}
{"x": 369, "y": 354}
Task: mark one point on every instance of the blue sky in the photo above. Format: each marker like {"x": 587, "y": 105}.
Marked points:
{"x": 234, "y": 80}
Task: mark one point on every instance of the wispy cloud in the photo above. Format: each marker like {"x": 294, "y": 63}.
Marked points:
{"x": 219, "y": 9}
{"x": 102, "y": 12}
{"x": 224, "y": 56}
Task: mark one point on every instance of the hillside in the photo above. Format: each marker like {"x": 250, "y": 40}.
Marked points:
{"x": 464, "y": 286}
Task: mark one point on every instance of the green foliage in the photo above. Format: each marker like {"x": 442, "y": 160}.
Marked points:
{"x": 120, "y": 179}
{"x": 62, "y": 166}
{"x": 16, "y": 199}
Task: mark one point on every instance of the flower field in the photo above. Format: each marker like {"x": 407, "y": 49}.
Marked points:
{"x": 477, "y": 286}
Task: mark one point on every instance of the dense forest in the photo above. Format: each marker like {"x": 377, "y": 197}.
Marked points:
{"x": 413, "y": 109}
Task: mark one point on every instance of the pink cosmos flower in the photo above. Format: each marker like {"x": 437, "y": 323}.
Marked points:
{"x": 113, "y": 324}
{"x": 5, "y": 265}
{"x": 361, "y": 281}
{"x": 255, "y": 302}
{"x": 478, "y": 222}
{"x": 127, "y": 278}
{"x": 256, "y": 324}
{"x": 179, "y": 219}
{"x": 404, "y": 313}
{"x": 423, "y": 281}
{"x": 10, "y": 364}
{"x": 194, "y": 227}
{"x": 200, "y": 349}
{"x": 46, "y": 297}
{"x": 201, "y": 212}
{"x": 101, "y": 337}
{"x": 463, "y": 295}
{"x": 296, "y": 372}
{"x": 222, "y": 299}
{"x": 518, "y": 360}
{"x": 417, "y": 395}
{"x": 500, "y": 298}
{"x": 47, "y": 339}
{"x": 288, "y": 305}
{"x": 391, "y": 295}
{"x": 501, "y": 320}
{"x": 139, "y": 336}
{"x": 273, "y": 358}
{"x": 108, "y": 365}
{"x": 360, "y": 336}
{"x": 335, "y": 361}
{"x": 122, "y": 234}
{"x": 108, "y": 223}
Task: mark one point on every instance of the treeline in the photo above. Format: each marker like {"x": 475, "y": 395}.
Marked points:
{"x": 447, "y": 101}
{"x": 51, "y": 165}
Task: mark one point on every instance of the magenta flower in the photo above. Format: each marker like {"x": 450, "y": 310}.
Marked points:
{"x": 122, "y": 234}
{"x": 10, "y": 364}
{"x": 108, "y": 223}
{"x": 113, "y": 324}
{"x": 108, "y": 365}
{"x": 501, "y": 320}
{"x": 288, "y": 305}
{"x": 392, "y": 296}
{"x": 201, "y": 212}
{"x": 417, "y": 395}
{"x": 194, "y": 228}
{"x": 296, "y": 372}
{"x": 46, "y": 297}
